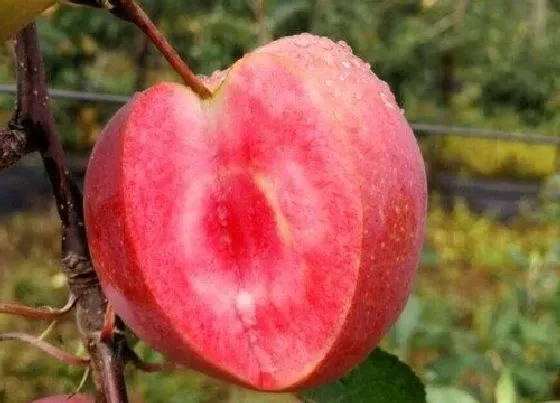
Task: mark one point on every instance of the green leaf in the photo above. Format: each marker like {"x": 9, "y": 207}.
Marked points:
{"x": 447, "y": 395}
{"x": 381, "y": 378}
{"x": 505, "y": 389}
{"x": 408, "y": 322}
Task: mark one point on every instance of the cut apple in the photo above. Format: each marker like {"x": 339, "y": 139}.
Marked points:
{"x": 269, "y": 235}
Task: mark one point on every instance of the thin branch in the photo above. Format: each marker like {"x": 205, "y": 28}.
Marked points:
{"x": 14, "y": 145}
{"x": 34, "y": 115}
{"x": 47, "y": 312}
{"x": 47, "y": 348}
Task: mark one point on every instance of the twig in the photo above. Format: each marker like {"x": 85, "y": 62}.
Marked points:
{"x": 14, "y": 145}
{"x": 46, "y": 312}
{"x": 47, "y": 348}
{"x": 34, "y": 115}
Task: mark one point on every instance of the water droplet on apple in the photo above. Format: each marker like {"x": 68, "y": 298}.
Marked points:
{"x": 245, "y": 304}
{"x": 386, "y": 101}
{"x": 345, "y": 46}
{"x": 402, "y": 111}
{"x": 346, "y": 64}
{"x": 302, "y": 41}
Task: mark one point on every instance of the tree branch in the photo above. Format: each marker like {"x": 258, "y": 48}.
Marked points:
{"x": 47, "y": 348}
{"x": 34, "y": 116}
{"x": 14, "y": 145}
{"x": 38, "y": 313}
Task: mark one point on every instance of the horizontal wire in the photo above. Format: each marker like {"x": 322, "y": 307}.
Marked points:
{"x": 425, "y": 128}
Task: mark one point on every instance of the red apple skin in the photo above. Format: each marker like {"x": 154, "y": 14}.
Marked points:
{"x": 270, "y": 235}
{"x": 82, "y": 398}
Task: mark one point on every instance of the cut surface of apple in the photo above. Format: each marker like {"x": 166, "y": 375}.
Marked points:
{"x": 269, "y": 235}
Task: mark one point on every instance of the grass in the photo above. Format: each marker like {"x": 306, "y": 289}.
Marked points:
{"x": 484, "y": 317}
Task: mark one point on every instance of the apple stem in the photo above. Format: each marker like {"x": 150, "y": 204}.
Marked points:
{"x": 129, "y": 10}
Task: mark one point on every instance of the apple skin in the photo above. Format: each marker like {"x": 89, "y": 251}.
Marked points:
{"x": 269, "y": 235}
{"x": 81, "y": 398}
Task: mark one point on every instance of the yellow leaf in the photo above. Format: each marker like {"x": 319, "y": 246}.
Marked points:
{"x": 17, "y": 13}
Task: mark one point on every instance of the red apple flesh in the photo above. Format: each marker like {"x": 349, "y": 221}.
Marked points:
{"x": 67, "y": 399}
{"x": 269, "y": 235}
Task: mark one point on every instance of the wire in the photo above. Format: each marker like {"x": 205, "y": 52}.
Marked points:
{"x": 425, "y": 128}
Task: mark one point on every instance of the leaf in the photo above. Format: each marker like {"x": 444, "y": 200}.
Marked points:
{"x": 505, "y": 389}
{"x": 16, "y": 14}
{"x": 408, "y": 322}
{"x": 446, "y": 395}
{"x": 381, "y": 378}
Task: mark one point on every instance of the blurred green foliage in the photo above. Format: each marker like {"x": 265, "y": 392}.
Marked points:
{"x": 484, "y": 322}
{"x": 486, "y": 303}
{"x": 462, "y": 62}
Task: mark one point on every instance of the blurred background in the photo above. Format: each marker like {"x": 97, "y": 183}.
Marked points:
{"x": 480, "y": 82}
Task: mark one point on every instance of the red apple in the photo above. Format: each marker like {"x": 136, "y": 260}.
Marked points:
{"x": 67, "y": 399}
{"x": 270, "y": 234}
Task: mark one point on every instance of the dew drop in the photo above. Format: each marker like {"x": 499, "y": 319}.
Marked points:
{"x": 386, "y": 101}
{"x": 302, "y": 41}
{"x": 345, "y": 46}
{"x": 346, "y": 64}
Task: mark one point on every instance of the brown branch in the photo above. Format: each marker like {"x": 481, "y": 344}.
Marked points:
{"x": 47, "y": 348}
{"x": 46, "y": 312}
{"x": 34, "y": 116}
{"x": 14, "y": 145}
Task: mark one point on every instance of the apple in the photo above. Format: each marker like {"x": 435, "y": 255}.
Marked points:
{"x": 82, "y": 398}
{"x": 269, "y": 235}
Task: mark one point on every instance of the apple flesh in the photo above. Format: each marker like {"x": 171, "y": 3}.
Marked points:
{"x": 269, "y": 235}
{"x": 82, "y": 398}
